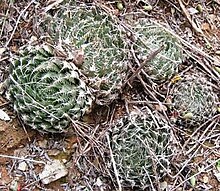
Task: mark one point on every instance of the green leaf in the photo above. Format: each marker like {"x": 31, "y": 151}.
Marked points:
{"x": 218, "y": 165}
{"x": 217, "y": 69}
{"x": 193, "y": 181}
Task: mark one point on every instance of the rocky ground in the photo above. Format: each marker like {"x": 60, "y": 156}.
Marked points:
{"x": 77, "y": 164}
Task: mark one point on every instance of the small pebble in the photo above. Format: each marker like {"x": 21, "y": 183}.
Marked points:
{"x": 217, "y": 52}
{"x": 217, "y": 175}
{"x": 4, "y": 116}
{"x": 188, "y": 115}
{"x": 163, "y": 185}
{"x": 53, "y": 171}
{"x": 205, "y": 179}
{"x": 2, "y": 50}
{"x": 22, "y": 166}
{"x": 33, "y": 39}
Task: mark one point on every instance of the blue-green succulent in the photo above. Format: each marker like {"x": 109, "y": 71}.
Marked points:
{"x": 102, "y": 43}
{"x": 46, "y": 90}
{"x": 140, "y": 148}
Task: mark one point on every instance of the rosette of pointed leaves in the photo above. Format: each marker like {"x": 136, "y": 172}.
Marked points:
{"x": 150, "y": 37}
{"x": 102, "y": 44}
{"x": 194, "y": 99}
{"x": 140, "y": 148}
{"x": 47, "y": 90}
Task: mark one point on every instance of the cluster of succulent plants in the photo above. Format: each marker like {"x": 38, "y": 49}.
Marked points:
{"x": 89, "y": 60}
{"x": 46, "y": 90}
{"x": 150, "y": 37}
{"x": 140, "y": 148}
{"x": 194, "y": 99}
{"x": 102, "y": 44}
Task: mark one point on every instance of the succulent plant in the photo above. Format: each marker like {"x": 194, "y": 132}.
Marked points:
{"x": 47, "y": 90}
{"x": 150, "y": 37}
{"x": 140, "y": 148}
{"x": 194, "y": 99}
{"x": 101, "y": 41}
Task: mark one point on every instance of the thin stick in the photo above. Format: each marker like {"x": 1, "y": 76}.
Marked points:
{"x": 17, "y": 22}
{"x": 202, "y": 171}
{"x": 5, "y": 58}
{"x": 54, "y": 4}
{"x": 149, "y": 58}
{"x": 24, "y": 128}
{"x": 114, "y": 165}
{"x": 3, "y": 24}
{"x": 19, "y": 158}
{"x": 186, "y": 13}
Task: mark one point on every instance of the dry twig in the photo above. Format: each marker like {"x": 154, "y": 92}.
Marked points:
{"x": 186, "y": 13}
{"x": 149, "y": 58}
{"x": 19, "y": 158}
{"x": 17, "y": 22}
